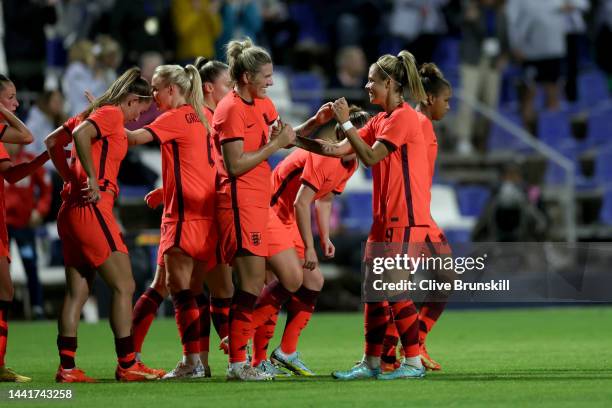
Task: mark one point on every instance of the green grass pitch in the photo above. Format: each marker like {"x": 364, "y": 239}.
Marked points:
{"x": 528, "y": 357}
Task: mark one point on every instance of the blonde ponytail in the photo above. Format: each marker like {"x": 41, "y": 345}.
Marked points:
{"x": 190, "y": 86}
{"x": 402, "y": 70}
{"x": 195, "y": 96}
{"x": 413, "y": 79}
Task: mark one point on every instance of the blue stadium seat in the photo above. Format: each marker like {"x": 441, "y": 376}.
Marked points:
{"x": 511, "y": 75}
{"x": 310, "y": 29}
{"x": 500, "y": 139}
{"x": 605, "y": 214}
{"x": 457, "y": 236}
{"x": 357, "y": 214}
{"x": 472, "y": 199}
{"x": 600, "y": 128}
{"x": 603, "y": 167}
{"x": 307, "y": 88}
{"x": 554, "y": 127}
{"x": 555, "y": 174}
{"x": 592, "y": 87}
{"x": 447, "y": 53}
{"x": 453, "y": 76}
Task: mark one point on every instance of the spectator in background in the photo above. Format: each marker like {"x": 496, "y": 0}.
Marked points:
{"x": 27, "y": 203}
{"x": 44, "y": 117}
{"x": 198, "y": 25}
{"x": 108, "y": 59}
{"x": 80, "y": 76}
{"x": 510, "y": 216}
{"x": 483, "y": 54}
{"x": 77, "y": 18}
{"x": 420, "y": 24}
{"x": 241, "y": 18}
{"x": 280, "y": 31}
{"x": 536, "y": 31}
{"x": 351, "y": 74}
{"x": 141, "y": 26}
{"x": 603, "y": 39}
{"x": 575, "y": 31}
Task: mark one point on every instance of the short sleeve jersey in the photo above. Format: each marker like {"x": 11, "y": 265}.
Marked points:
{"x": 432, "y": 143}
{"x": 432, "y": 147}
{"x": 236, "y": 119}
{"x": 188, "y": 169}
{"x": 322, "y": 174}
{"x": 400, "y": 180}
{"x": 108, "y": 148}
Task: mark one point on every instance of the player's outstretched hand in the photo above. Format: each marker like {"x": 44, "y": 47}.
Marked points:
{"x": 154, "y": 198}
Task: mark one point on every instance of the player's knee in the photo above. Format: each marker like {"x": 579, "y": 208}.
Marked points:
{"x": 223, "y": 291}
{"x": 159, "y": 286}
{"x": 314, "y": 280}
{"x": 124, "y": 288}
{"x": 175, "y": 284}
{"x": 7, "y": 293}
{"x": 294, "y": 283}
{"x": 252, "y": 286}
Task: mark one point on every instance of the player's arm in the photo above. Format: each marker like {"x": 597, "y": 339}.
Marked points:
{"x": 56, "y": 142}
{"x": 323, "y": 208}
{"x": 238, "y": 162}
{"x": 368, "y": 155}
{"x": 83, "y": 135}
{"x": 324, "y": 148}
{"x": 42, "y": 181}
{"x": 16, "y": 132}
{"x": 301, "y": 207}
{"x": 13, "y": 174}
{"x": 323, "y": 115}
{"x": 138, "y": 137}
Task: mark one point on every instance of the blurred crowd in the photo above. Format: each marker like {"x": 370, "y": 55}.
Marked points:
{"x": 69, "y": 46}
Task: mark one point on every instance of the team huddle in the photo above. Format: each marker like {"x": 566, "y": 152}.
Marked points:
{"x": 226, "y": 212}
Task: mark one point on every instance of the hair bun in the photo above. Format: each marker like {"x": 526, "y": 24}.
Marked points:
{"x": 430, "y": 70}
{"x": 200, "y": 62}
{"x": 235, "y": 47}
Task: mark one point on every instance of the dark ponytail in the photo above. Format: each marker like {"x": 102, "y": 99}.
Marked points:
{"x": 209, "y": 69}
{"x": 433, "y": 80}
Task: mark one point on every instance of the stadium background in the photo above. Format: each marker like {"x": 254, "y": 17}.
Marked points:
{"x": 532, "y": 164}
